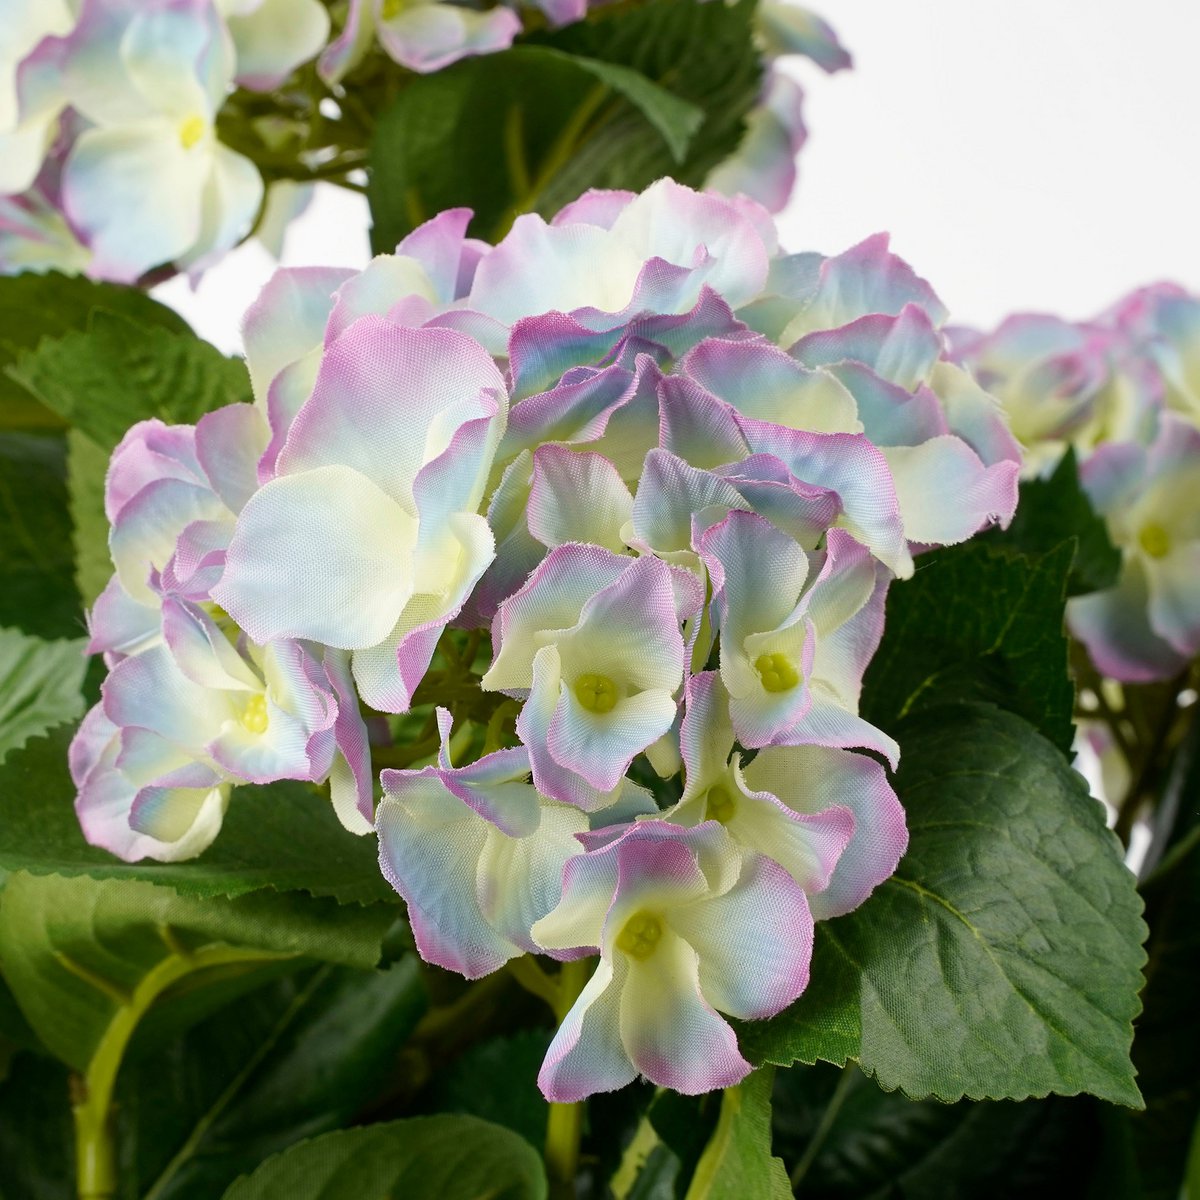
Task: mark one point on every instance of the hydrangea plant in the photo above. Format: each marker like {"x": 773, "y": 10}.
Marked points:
{"x": 582, "y": 706}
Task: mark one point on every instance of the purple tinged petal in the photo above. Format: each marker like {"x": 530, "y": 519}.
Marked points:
{"x": 202, "y": 652}
{"x": 812, "y": 780}
{"x": 148, "y": 452}
{"x": 577, "y": 497}
{"x": 429, "y": 35}
{"x": 597, "y": 206}
{"x": 588, "y": 1054}
{"x": 672, "y": 1034}
{"x": 118, "y": 624}
{"x": 902, "y": 348}
{"x": 229, "y": 443}
{"x": 696, "y": 426}
{"x": 144, "y": 535}
{"x": 946, "y": 494}
{"x": 761, "y": 381}
{"x": 753, "y": 943}
{"x": 388, "y": 400}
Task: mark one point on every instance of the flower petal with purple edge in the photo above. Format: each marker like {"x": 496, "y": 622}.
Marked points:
{"x": 813, "y": 779}
{"x": 428, "y": 35}
{"x": 577, "y": 497}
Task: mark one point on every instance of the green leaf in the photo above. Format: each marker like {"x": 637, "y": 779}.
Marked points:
{"x": 36, "y": 1137}
{"x": 87, "y": 464}
{"x": 1166, "y": 1050}
{"x": 40, "y": 686}
{"x": 283, "y": 836}
{"x": 850, "y": 1140}
{"x": 706, "y": 54}
{"x": 497, "y": 1081}
{"x": 975, "y": 623}
{"x": 737, "y": 1161}
{"x": 36, "y": 563}
{"x": 1055, "y": 510}
{"x": 297, "y": 1058}
{"x": 34, "y": 306}
{"x": 973, "y": 971}
{"x": 426, "y": 1158}
{"x": 86, "y": 958}
{"x": 592, "y": 106}
{"x": 117, "y": 372}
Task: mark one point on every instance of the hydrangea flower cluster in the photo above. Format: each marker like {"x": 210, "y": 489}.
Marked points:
{"x": 673, "y": 472}
{"x": 110, "y": 159}
{"x": 1124, "y": 391}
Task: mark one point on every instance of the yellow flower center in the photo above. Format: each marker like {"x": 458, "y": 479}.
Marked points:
{"x": 719, "y": 805}
{"x": 254, "y": 715}
{"x": 777, "y": 672}
{"x": 191, "y": 130}
{"x": 389, "y": 10}
{"x": 597, "y": 693}
{"x": 1155, "y": 540}
{"x": 641, "y": 935}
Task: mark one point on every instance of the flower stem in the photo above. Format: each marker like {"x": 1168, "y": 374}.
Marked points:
{"x": 845, "y": 1086}
{"x": 565, "y": 1126}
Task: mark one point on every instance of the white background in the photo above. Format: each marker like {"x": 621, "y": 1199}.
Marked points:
{"x": 1025, "y": 155}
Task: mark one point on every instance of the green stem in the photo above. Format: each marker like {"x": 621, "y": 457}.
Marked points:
{"x": 564, "y": 1129}
{"x": 844, "y": 1087}
{"x": 95, "y": 1152}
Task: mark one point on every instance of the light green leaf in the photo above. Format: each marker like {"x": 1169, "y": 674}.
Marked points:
{"x": 973, "y": 971}
{"x": 40, "y": 686}
{"x": 34, "y": 306}
{"x": 426, "y": 1158}
{"x": 104, "y": 379}
{"x": 87, "y": 464}
{"x": 86, "y": 958}
{"x": 283, "y": 836}
{"x": 737, "y": 1161}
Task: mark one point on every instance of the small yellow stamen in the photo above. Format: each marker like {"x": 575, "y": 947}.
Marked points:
{"x": 389, "y": 10}
{"x": 191, "y": 130}
{"x": 719, "y": 805}
{"x": 777, "y": 671}
{"x": 1155, "y": 540}
{"x": 254, "y": 715}
{"x": 641, "y": 935}
{"x": 597, "y": 693}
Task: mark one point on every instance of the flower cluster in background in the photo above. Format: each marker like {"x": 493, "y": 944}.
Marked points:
{"x": 113, "y": 154}
{"x": 673, "y": 471}
{"x": 1124, "y": 391}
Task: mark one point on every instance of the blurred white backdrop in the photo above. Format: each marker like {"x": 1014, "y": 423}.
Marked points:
{"x": 1024, "y": 154}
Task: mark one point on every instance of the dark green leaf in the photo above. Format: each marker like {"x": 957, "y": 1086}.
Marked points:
{"x": 283, "y": 836}
{"x": 426, "y": 1158}
{"x": 876, "y": 1145}
{"x": 1166, "y": 1050}
{"x": 597, "y": 105}
{"x": 104, "y": 379}
{"x": 36, "y": 1137}
{"x": 295, "y": 1059}
{"x": 36, "y": 563}
{"x": 40, "y": 686}
{"x": 704, "y": 53}
{"x": 34, "y": 306}
{"x": 86, "y": 958}
{"x": 87, "y": 465}
{"x": 1055, "y": 510}
{"x": 497, "y": 1081}
{"x": 977, "y": 624}
{"x": 974, "y": 971}
{"x": 737, "y": 1161}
